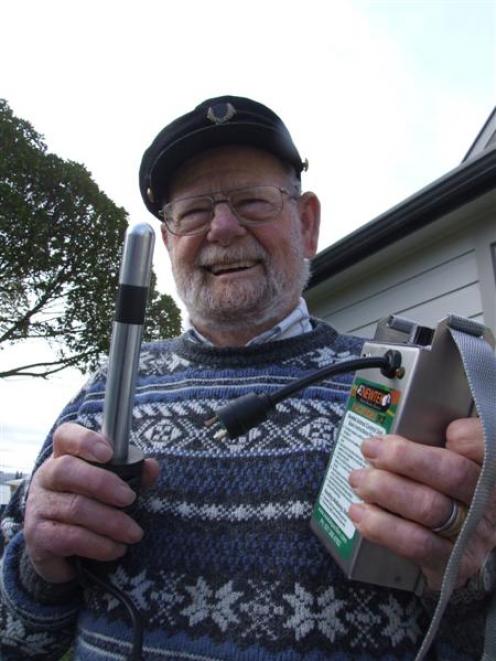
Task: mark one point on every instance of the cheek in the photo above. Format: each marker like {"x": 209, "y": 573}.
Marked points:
{"x": 283, "y": 244}
{"x": 273, "y": 240}
{"x": 184, "y": 250}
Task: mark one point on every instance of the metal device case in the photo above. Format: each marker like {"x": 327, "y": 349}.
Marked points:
{"x": 432, "y": 392}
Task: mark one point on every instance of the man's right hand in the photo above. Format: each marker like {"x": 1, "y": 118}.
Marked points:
{"x": 74, "y": 507}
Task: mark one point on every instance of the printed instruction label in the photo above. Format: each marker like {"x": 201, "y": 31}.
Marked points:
{"x": 370, "y": 412}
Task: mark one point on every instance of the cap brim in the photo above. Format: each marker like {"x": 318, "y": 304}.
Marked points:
{"x": 174, "y": 155}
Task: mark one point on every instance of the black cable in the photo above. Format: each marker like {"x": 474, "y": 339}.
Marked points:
{"x": 385, "y": 363}
{"x": 240, "y": 416}
{"x": 87, "y": 577}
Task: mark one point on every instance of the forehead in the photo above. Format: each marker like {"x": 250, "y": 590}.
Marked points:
{"x": 227, "y": 167}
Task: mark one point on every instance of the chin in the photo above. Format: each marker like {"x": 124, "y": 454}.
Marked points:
{"x": 254, "y": 305}
{"x": 254, "y": 301}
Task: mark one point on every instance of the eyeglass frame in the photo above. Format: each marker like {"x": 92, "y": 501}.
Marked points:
{"x": 226, "y": 200}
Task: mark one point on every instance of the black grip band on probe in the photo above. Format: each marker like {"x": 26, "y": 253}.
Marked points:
{"x": 131, "y": 304}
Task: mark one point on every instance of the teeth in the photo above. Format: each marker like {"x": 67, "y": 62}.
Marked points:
{"x": 219, "y": 268}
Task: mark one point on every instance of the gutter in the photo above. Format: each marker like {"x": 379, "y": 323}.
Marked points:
{"x": 461, "y": 185}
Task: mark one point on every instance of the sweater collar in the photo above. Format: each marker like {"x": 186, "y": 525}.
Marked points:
{"x": 295, "y": 323}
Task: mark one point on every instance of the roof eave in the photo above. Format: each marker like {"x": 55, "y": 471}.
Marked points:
{"x": 459, "y": 186}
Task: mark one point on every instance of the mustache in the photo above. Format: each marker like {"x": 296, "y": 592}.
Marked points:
{"x": 217, "y": 255}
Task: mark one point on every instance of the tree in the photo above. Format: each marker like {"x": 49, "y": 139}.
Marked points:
{"x": 60, "y": 246}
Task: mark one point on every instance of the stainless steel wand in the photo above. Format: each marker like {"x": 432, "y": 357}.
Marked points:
{"x": 127, "y": 331}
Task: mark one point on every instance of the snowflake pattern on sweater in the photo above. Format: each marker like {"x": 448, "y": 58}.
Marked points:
{"x": 228, "y": 568}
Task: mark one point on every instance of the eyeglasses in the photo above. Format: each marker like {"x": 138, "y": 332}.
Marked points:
{"x": 251, "y": 206}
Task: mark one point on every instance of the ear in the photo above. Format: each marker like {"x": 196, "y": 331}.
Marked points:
{"x": 309, "y": 208}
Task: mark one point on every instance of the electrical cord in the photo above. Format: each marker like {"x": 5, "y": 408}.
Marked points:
{"x": 240, "y": 416}
{"x": 87, "y": 578}
{"x": 88, "y": 571}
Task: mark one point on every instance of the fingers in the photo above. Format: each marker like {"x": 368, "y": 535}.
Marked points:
{"x": 409, "y": 489}
{"x": 151, "y": 470}
{"x": 402, "y": 537}
{"x": 64, "y": 523}
{"x": 63, "y": 540}
{"x": 55, "y": 542}
{"x": 416, "y": 543}
{"x": 82, "y": 512}
{"x": 67, "y": 524}
{"x": 439, "y": 468}
{"x": 399, "y": 495}
{"x": 78, "y": 441}
{"x": 72, "y": 439}
{"x": 73, "y": 507}
{"x": 71, "y": 474}
{"x": 465, "y": 438}
{"x": 75, "y": 441}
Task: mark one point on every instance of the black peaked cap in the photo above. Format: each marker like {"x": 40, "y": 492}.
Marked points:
{"x": 225, "y": 120}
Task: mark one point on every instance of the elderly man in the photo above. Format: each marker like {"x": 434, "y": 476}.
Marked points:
{"x": 218, "y": 556}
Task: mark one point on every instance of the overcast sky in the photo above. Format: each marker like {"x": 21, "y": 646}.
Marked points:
{"x": 381, "y": 97}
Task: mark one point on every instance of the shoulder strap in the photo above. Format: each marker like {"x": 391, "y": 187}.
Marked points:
{"x": 480, "y": 369}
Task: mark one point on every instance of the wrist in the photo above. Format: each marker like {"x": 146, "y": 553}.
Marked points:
{"x": 42, "y": 590}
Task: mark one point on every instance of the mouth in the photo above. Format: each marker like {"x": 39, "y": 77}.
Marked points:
{"x": 233, "y": 267}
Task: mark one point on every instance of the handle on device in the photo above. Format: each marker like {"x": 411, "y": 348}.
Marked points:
{"x": 127, "y": 331}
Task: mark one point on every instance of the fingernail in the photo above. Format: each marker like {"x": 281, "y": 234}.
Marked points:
{"x": 356, "y": 512}
{"x": 135, "y": 533}
{"x": 371, "y": 447}
{"x": 124, "y": 495}
{"x": 101, "y": 451}
{"x": 356, "y": 478}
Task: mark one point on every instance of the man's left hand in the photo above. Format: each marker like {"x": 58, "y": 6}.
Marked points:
{"x": 409, "y": 490}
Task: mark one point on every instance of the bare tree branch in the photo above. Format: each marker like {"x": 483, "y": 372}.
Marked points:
{"x": 61, "y": 364}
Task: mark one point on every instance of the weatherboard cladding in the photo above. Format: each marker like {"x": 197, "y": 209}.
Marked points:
{"x": 426, "y": 285}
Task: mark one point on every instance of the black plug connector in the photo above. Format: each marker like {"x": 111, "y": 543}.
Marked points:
{"x": 392, "y": 369}
{"x": 241, "y": 415}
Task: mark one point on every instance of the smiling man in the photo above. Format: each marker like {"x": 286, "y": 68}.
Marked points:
{"x": 238, "y": 233}
{"x": 218, "y": 556}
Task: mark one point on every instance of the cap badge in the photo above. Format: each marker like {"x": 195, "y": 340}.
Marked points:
{"x": 221, "y": 112}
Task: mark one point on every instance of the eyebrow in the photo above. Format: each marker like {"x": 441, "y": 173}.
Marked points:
{"x": 226, "y": 191}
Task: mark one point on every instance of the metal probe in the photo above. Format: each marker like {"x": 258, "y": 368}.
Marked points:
{"x": 127, "y": 331}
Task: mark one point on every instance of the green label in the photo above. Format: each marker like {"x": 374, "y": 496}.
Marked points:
{"x": 370, "y": 412}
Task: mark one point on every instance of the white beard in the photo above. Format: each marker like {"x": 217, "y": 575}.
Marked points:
{"x": 250, "y": 301}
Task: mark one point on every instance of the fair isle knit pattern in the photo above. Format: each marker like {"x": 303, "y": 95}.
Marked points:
{"x": 228, "y": 568}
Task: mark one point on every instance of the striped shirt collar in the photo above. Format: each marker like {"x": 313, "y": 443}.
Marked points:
{"x": 295, "y": 323}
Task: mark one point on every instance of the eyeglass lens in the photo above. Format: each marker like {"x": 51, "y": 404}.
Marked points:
{"x": 254, "y": 205}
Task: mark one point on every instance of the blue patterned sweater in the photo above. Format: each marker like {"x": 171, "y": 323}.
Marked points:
{"x": 228, "y": 568}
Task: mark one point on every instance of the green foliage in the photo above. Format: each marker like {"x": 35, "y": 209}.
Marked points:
{"x": 60, "y": 247}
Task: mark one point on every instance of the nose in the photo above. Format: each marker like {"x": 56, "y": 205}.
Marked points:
{"x": 224, "y": 226}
